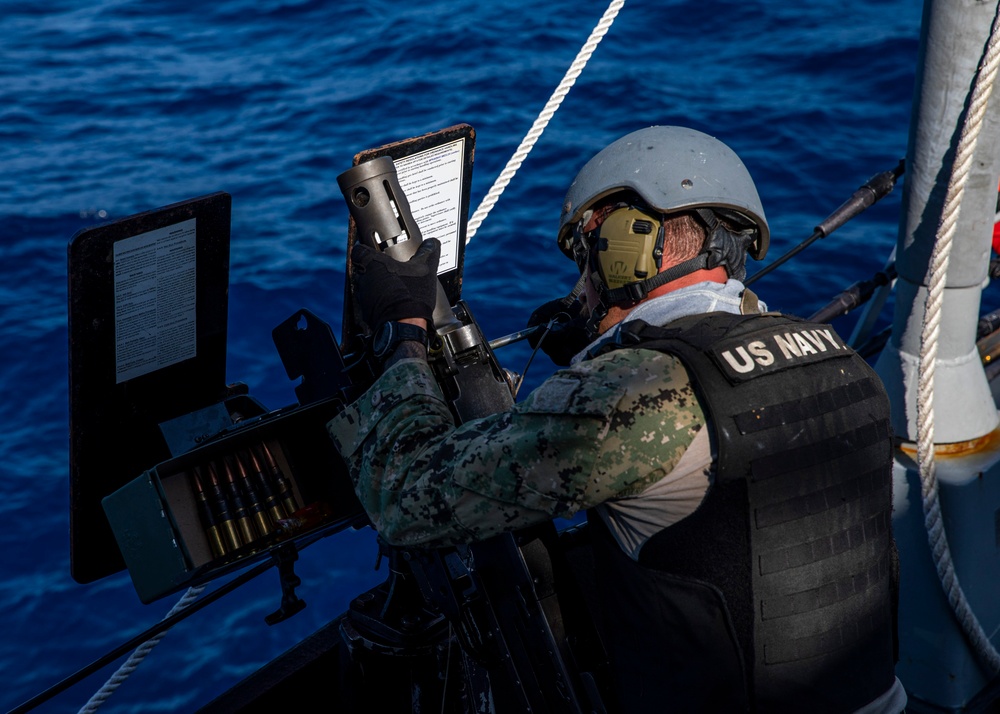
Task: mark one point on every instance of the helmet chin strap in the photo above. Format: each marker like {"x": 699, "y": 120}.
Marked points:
{"x": 723, "y": 246}
{"x": 593, "y": 326}
{"x": 631, "y": 293}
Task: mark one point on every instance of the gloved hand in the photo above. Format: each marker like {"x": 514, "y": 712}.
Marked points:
{"x": 567, "y": 335}
{"x": 388, "y": 289}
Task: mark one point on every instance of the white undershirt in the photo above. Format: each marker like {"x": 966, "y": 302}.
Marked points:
{"x": 633, "y": 520}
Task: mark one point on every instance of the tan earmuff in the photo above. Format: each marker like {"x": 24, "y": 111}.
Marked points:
{"x": 629, "y": 246}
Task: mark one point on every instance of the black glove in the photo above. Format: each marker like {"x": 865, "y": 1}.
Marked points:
{"x": 729, "y": 248}
{"x": 567, "y": 335}
{"x": 388, "y": 289}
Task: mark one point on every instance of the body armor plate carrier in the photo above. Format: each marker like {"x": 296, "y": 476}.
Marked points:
{"x": 778, "y": 593}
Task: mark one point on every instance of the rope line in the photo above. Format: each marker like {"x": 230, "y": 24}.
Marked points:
{"x": 529, "y": 140}
{"x": 933, "y": 522}
{"x": 136, "y": 658}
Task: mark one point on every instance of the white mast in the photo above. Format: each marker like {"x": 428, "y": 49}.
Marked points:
{"x": 952, "y": 40}
{"x": 947, "y": 642}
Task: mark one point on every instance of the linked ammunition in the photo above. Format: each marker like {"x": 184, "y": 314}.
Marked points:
{"x": 267, "y": 490}
{"x": 208, "y": 519}
{"x": 224, "y": 516}
{"x": 284, "y": 489}
{"x": 239, "y": 506}
{"x": 255, "y": 499}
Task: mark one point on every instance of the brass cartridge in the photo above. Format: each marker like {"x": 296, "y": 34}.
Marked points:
{"x": 255, "y": 501}
{"x": 224, "y": 516}
{"x": 240, "y": 514}
{"x": 266, "y": 489}
{"x": 284, "y": 489}
{"x": 208, "y": 518}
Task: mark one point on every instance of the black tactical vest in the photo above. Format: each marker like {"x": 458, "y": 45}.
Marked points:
{"x": 778, "y": 593}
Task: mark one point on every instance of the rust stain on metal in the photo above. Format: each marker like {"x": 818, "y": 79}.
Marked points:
{"x": 984, "y": 444}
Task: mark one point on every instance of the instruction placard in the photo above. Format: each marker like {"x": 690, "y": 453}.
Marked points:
{"x": 432, "y": 182}
{"x": 155, "y": 291}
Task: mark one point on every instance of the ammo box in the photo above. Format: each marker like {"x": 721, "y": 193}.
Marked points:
{"x": 175, "y": 474}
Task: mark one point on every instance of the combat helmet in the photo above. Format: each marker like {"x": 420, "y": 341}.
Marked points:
{"x": 671, "y": 169}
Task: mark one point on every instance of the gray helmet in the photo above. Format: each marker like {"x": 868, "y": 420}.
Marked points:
{"x": 672, "y": 168}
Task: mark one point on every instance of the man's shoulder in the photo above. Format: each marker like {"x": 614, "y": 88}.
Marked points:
{"x": 628, "y": 364}
{"x": 631, "y": 379}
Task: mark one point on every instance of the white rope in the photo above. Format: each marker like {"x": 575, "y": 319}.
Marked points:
{"x": 137, "y": 656}
{"x": 528, "y": 142}
{"x": 933, "y": 521}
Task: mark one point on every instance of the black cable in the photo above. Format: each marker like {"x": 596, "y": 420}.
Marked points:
{"x": 854, "y": 296}
{"x": 531, "y": 357}
{"x": 874, "y": 189}
{"x": 142, "y": 637}
{"x": 988, "y": 324}
{"x": 875, "y": 344}
{"x": 785, "y": 258}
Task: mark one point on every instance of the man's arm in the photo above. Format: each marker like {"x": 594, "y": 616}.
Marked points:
{"x": 408, "y": 350}
{"x": 602, "y": 429}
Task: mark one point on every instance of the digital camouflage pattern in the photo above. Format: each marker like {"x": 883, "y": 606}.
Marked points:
{"x": 603, "y": 428}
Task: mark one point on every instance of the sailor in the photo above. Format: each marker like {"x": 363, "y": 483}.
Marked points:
{"x": 735, "y": 464}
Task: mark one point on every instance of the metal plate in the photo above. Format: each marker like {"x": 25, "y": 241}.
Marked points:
{"x": 148, "y": 305}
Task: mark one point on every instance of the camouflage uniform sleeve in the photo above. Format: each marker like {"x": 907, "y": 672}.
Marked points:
{"x": 604, "y": 428}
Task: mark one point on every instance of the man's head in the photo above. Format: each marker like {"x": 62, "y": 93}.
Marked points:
{"x": 656, "y": 206}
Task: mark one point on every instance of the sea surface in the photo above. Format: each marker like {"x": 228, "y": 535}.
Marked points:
{"x": 113, "y": 107}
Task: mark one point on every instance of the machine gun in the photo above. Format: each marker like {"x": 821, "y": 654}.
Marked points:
{"x": 466, "y": 368}
{"x": 182, "y": 477}
{"x": 466, "y": 625}
{"x": 486, "y": 626}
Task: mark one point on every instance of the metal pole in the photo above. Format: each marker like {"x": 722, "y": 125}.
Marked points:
{"x": 953, "y": 37}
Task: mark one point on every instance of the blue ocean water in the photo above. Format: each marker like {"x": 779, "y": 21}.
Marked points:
{"x": 112, "y": 107}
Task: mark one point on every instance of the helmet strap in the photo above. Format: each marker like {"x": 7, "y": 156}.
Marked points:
{"x": 722, "y": 246}
{"x": 593, "y": 326}
{"x": 631, "y": 293}
{"x": 599, "y": 311}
